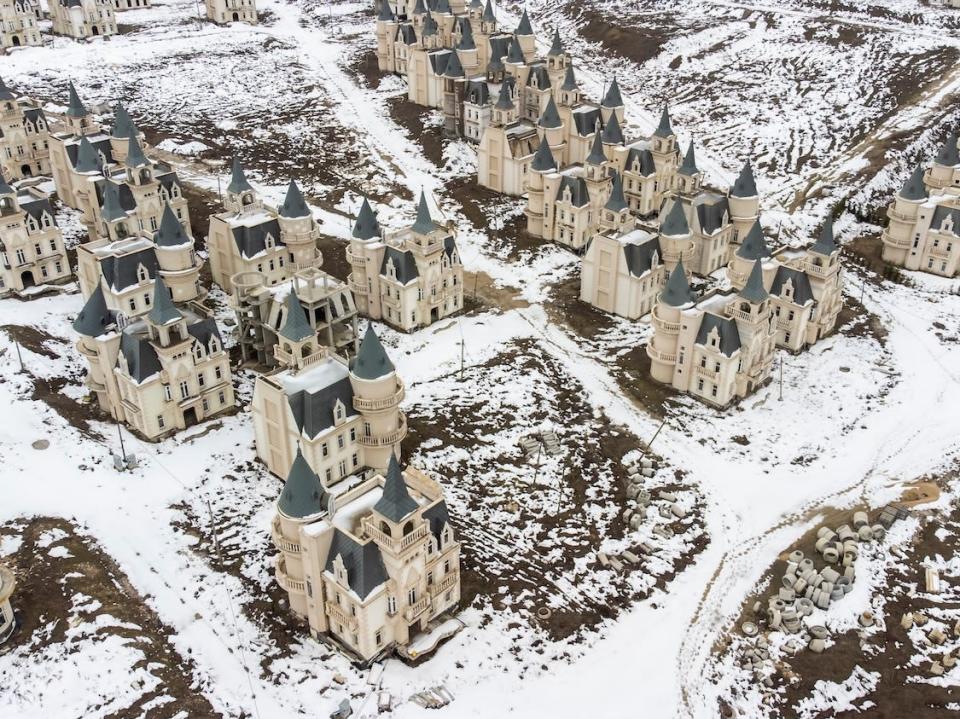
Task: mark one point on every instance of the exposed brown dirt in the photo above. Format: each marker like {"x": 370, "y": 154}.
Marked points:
{"x": 413, "y": 119}
{"x": 855, "y": 320}
{"x": 365, "y": 67}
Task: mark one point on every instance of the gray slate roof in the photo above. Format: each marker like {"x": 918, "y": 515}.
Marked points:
{"x": 303, "y": 494}
{"x": 613, "y": 97}
{"x": 87, "y": 159}
{"x": 488, "y": 15}
{"x": 753, "y": 290}
{"x": 163, "y": 311}
{"x": 364, "y": 563}
{"x": 596, "y": 156}
{"x": 5, "y": 188}
{"x": 403, "y": 262}
{"x": 617, "y": 201}
{"x": 312, "y": 409}
{"x": 948, "y": 154}
{"x": 675, "y": 224}
{"x": 123, "y": 126}
{"x": 424, "y": 224}
{"x": 826, "y": 243}
{"x": 677, "y": 292}
{"x": 913, "y": 188}
{"x": 238, "y": 179}
{"x": 171, "y": 231}
{"x": 135, "y": 156}
{"x": 505, "y": 99}
{"x": 94, "y": 318}
{"x": 5, "y": 92}
{"x": 141, "y": 357}
{"x": 366, "y": 227}
{"x": 296, "y": 328}
{"x": 640, "y": 160}
{"x": 664, "y": 129}
{"x": 754, "y": 245}
{"x": 478, "y": 92}
{"x": 386, "y": 12}
{"x": 744, "y": 185}
{"x": 437, "y": 516}
{"x": 940, "y": 213}
{"x": 112, "y": 209}
{"x": 579, "y": 195}
{"x": 396, "y": 503}
{"x": 524, "y": 27}
{"x": 557, "y": 47}
{"x": 454, "y": 69}
{"x": 75, "y": 107}
{"x": 639, "y": 256}
{"x": 569, "y": 80}
{"x": 515, "y": 52}
{"x": 252, "y": 240}
{"x": 120, "y": 271}
{"x": 689, "y": 164}
{"x": 37, "y": 208}
{"x": 466, "y": 37}
{"x": 371, "y": 361}
{"x": 711, "y": 211}
{"x": 543, "y": 160}
{"x": 802, "y": 293}
{"x": 727, "y": 329}
{"x": 550, "y": 118}
{"x": 612, "y": 134}
{"x": 293, "y": 204}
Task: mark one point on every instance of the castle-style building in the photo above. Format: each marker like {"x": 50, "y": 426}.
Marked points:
{"x": 18, "y": 24}
{"x": 409, "y": 278}
{"x": 8, "y": 622}
{"x": 366, "y": 566}
{"x": 226, "y": 11}
{"x": 923, "y": 232}
{"x": 24, "y": 136}
{"x": 82, "y": 19}
{"x": 119, "y": 5}
{"x": 31, "y": 244}
{"x": 344, "y": 418}
{"x": 160, "y": 372}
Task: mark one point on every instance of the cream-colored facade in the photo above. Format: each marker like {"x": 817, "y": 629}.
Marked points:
{"x": 623, "y": 272}
{"x": 160, "y": 372}
{"x": 120, "y": 5}
{"x": 410, "y": 278}
{"x": 81, "y": 19}
{"x": 8, "y": 621}
{"x": 24, "y": 137}
{"x": 370, "y": 566}
{"x": 226, "y": 11}
{"x": 18, "y": 24}
{"x": 923, "y": 232}
{"x": 31, "y": 244}
{"x": 344, "y": 417}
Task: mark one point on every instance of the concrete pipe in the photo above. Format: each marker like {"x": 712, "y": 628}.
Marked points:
{"x": 818, "y": 631}
{"x": 844, "y": 585}
{"x": 805, "y": 606}
{"x": 850, "y": 574}
{"x": 635, "y": 478}
{"x": 859, "y": 519}
{"x": 773, "y": 619}
{"x": 678, "y": 511}
{"x": 866, "y": 619}
{"x": 647, "y": 472}
{"x": 830, "y": 574}
{"x": 845, "y": 531}
{"x": 824, "y": 532}
{"x": 824, "y": 601}
{"x": 787, "y": 595}
{"x": 544, "y": 613}
{"x": 667, "y": 496}
{"x": 796, "y": 556}
{"x": 831, "y": 555}
{"x": 749, "y": 629}
{"x": 777, "y": 603}
{"x": 809, "y": 574}
{"x": 865, "y": 534}
{"x": 792, "y": 568}
{"x": 800, "y": 586}
{"x": 807, "y": 565}
{"x": 808, "y": 592}
{"x": 665, "y": 511}
{"x": 848, "y": 559}
{"x": 826, "y": 587}
{"x": 815, "y": 596}
{"x": 788, "y": 580}
{"x": 816, "y": 645}
{"x": 822, "y": 544}
{"x": 757, "y": 607}
{"x": 836, "y": 594}
{"x": 646, "y": 463}
{"x": 636, "y": 521}
{"x": 879, "y": 532}
{"x": 633, "y": 490}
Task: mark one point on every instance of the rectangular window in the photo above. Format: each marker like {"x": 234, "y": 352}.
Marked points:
{"x": 391, "y": 605}
{"x": 222, "y": 397}
{"x": 379, "y": 637}
{"x": 329, "y": 475}
{"x": 53, "y": 245}
{"x": 217, "y": 372}
{"x": 340, "y": 441}
{"x": 160, "y": 422}
{"x": 166, "y": 393}
{"x": 353, "y": 434}
{"x": 324, "y": 450}
{"x": 412, "y": 596}
{"x": 184, "y": 389}
{"x": 354, "y": 459}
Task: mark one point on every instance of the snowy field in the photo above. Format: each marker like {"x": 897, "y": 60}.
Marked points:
{"x": 834, "y": 102}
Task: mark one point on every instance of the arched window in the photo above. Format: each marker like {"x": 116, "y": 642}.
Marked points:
{"x": 385, "y": 528}
{"x": 305, "y": 352}
{"x": 407, "y": 528}
{"x": 246, "y": 199}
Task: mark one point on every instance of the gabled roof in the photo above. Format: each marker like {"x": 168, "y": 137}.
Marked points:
{"x": 557, "y": 47}
{"x": 203, "y": 330}
{"x": 293, "y": 204}
{"x": 639, "y": 256}
{"x": 111, "y": 209}
{"x": 664, "y": 129}
{"x": 295, "y": 326}
{"x": 238, "y": 179}
{"x": 612, "y": 134}
{"x": 404, "y": 263}
{"x": 677, "y": 292}
{"x": 539, "y": 77}
{"x": 37, "y": 208}
{"x": 596, "y": 156}
{"x": 543, "y": 158}
{"x": 424, "y": 223}
{"x": 585, "y": 120}
{"x": 163, "y": 311}
{"x": 712, "y": 212}
{"x": 802, "y": 293}
{"x": 914, "y": 188}
{"x": 75, "y": 107}
{"x": 744, "y": 185}
{"x": 675, "y": 224}
{"x": 251, "y": 240}
{"x": 437, "y": 516}
{"x": 123, "y": 126}
{"x": 366, "y": 227}
{"x": 753, "y": 290}
{"x": 171, "y": 231}
{"x": 478, "y": 92}
{"x": 640, "y": 159}
{"x": 826, "y": 243}
{"x": 612, "y": 98}
{"x": 729, "y": 340}
{"x": 524, "y": 27}
{"x": 396, "y": 504}
{"x": 754, "y": 246}
{"x": 87, "y": 158}
{"x": 363, "y": 562}
{"x": 579, "y": 194}
{"x": 371, "y": 361}
{"x": 313, "y": 408}
{"x": 550, "y": 119}
{"x": 689, "y": 164}
{"x": 569, "y": 80}
{"x": 94, "y": 318}
{"x": 141, "y": 357}
{"x": 617, "y": 201}
{"x": 948, "y": 154}
{"x": 303, "y": 494}
{"x": 120, "y": 271}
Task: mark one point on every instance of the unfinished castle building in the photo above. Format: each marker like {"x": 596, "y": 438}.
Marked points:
{"x": 24, "y": 136}
{"x": 409, "y": 278}
{"x": 82, "y": 19}
{"x": 923, "y": 232}
{"x": 262, "y": 256}
{"x": 227, "y": 11}
{"x": 18, "y": 24}
{"x": 8, "y": 622}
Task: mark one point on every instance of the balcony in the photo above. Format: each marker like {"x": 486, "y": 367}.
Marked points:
{"x": 819, "y": 270}
{"x": 285, "y": 580}
{"x": 663, "y": 325}
{"x": 740, "y": 314}
{"x": 355, "y": 259}
{"x": 448, "y": 582}
{"x": 415, "y": 610}
{"x": 657, "y": 356}
{"x": 710, "y": 374}
{"x": 356, "y": 287}
{"x": 386, "y": 440}
{"x": 279, "y": 542}
{"x": 894, "y": 215}
{"x": 784, "y": 324}
{"x": 374, "y": 405}
{"x": 336, "y": 613}
{"x": 941, "y": 252}
{"x": 894, "y": 242}
{"x": 415, "y": 536}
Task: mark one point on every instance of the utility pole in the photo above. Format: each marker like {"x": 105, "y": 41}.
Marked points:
{"x": 462, "y": 353}
{"x": 536, "y": 471}
{"x": 123, "y": 452}
{"x": 19, "y": 356}
{"x": 656, "y": 433}
{"x": 780, "y": 398}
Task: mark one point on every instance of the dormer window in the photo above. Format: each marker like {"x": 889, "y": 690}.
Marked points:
{"x": 339, "y": 412}
{"x": 142, "y": 273}
{"x": 198, "y": 350}
{"x": 270, "y": 242}
{"x": 214, "y": 345}
{"x": 175, "y": 190}
{"x": 947, "y": 224}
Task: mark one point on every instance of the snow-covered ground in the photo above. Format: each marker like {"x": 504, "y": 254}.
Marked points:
{"x": 858, "y": 419}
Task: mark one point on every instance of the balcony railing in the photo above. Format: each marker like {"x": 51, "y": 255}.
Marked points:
{"x": 356, "y": 287}
{"x": 285, "y": 580}
{"x": 663, "y": 325}
{"x": 894, "y": 242}
{"x": 372, "y": 405}
{"x": 655, "y": 354}
{"x": 710, "y": 374}
{"x": 335, "y": 612}
{"x": 355, "y": 259}
{"x": 940, "y": 252}
{"x": 415, "y": 610}
{"x": 444, "y": 584}
{"x": 284, "y": 545}
{"x": 385, "y": 440}
{"x": 414, "y": 537}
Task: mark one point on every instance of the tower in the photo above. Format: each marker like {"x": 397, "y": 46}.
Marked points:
{"x": 557, "y": 59}
{"x": 663, "y": 346}
{"x": 138, "y": 167}
{"x": 299, "y": 230}
{"x": 488, "y": 21}
{"x": 467, "y": 49}
{"x": 505, "y": 109}
{"x": 165, "y": 323}
{"x": 297, "y": 343}
{"x": 689, "y": 177}
{"x": 115, "y": 221}
{"x": 752, "y": 248}
{"x": 612, "y": 103}
{"x": 377, "y": 393}
{"x": 612, "y": 136}
{"x": 240, "y": 195}
{"x": 616, "y": 213}
{"x": 524, "y": 34}
{"x": 744, "y": 204}
{"x": 946, "y": 165}
{"x": 675, "y": 236}
{"x": 363, "y": 277}
{"x": 902, "y": 214}
{"x": 121, "y": 131}
{"x": 176, "y": 257}
{"x": 569, "y": 90}
{"x": 386, "y": 32}
{"x": 542, "y": 164}
{"x": 550, "y": 126}
{"x": 664, "y": 143}
{"x": 77, "y": 116}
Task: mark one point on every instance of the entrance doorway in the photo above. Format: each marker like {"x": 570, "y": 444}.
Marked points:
{"x": 26, "y": 279}
{"x": 190, "y": 417}
{"x": 26, "y": 171}
{"x": 434, "y": 314}
{"x": 16, "y": 41}
{"x": 96, "y": 30}
{"x": 236, "y": 17}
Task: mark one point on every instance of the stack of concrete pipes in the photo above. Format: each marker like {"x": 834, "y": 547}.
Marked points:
{"x": 639, "y": 498}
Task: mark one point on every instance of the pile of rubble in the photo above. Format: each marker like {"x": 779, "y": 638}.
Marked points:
{"x": 545, "y": 440}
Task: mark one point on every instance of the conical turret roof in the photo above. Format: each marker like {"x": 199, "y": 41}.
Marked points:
{"x": 826, "y": 243}
{"x": 550, "y": 119}
{"x": 596, "y": 156}
{"x": 424, "y": 223}
{"x": 293, "y": 204}
{"x": 94, "y": 318}
{"x": 914, "y": 188}
{"x": 396, "y": 503}
{"x": 948, "y": 154}
{"x": 504, "y": 100}
{"x": 366, "y": 227}
{"x": 5, "y": 188}
{"x": 466, "y": 37}
{"x": 689, "y": 165}
{"x": 238, "y": 179}
{"x": 123, "y": 126}
{"x": 5, "y": 92}
{"x": 543, "y": 160}
{"x": 617, "y": 201}
{"x": 454, "y": 69}
{"x": 745, "y": 185}
{"x": 675, "y": 224}
{"x": 371, "y": 361}
{"x": 677, "y": 292}
{"x": 135, "y": 156}
{"x": 87, "y": 158}
{"x": 754, "y": 246}
{"x": 112, "y": 209}
{"x": 163, "y": 311}
{"x": 612, "y": 134}
{"x": 488, "y": 14}
{"x": 296, "y": 328}
{"x": 524, "y": 27}
{"x": 753, "y": 290}
{"x": 664, "y": 129}
{"x": 75, "y": 108}
{"x": 515, "y": 52}
{"x": 171, "y": 232}
{"x": 612, "y": 99}
{"x": 569, "y": 80}
{"x": 557, "y": 47}
{"x": 386, "y": 12}
{"x": 303, "y": 494}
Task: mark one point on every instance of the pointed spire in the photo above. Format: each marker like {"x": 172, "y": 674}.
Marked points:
{"x": 914, "y": 188}
{"x": 443, "y": 7}
{"x": 238, "y": 179}
{"x": 543, "y": 160}
{"x": 745, "y": 185}
{"x": 677, "y": 292}
{"x": 664, "y": 129}
{"x": 505, "y": 100}
{"x": 296, "y": 328}
{"x": 753, "y": 290}
{"x": 5, "y": 92}
{"x": 612, "y": 134}
{"x": 556, "y": 48}
{"x": 613, "y": 98}
{"x": 293, "y": 204}
{"x": 424, "y": 223}
{"x": 515, "y": 52}
{"x": 550, "y": 119}
{"x": 371, "y": 362}
{"x": 396, "y": 503}
{"x": 826, "y": 244}
{"x": 5, "y": 188}
{"x": 171, "y": 232}
{"x": 454, "y": 69}
{"x": 419, "y": 8}
{"x": 524, "y": 27}
{"x": 163, "y": 311}
{"x": 112, "y": 209}
{"x": 303, "y": 494}
{"x": 123, "y": 126}
{"x": 596, "y": 156}
{"x": 135, "y": 156}
{"x": 476, "y": 4}
{"x": 366, "y": 227}
{"x": 754, "y": 246}
{"x": 617, "y": 201}
{"x": 87, "y": 158}
{"x": 76, "y": 107}
{"x": 675, "y": 224}
{"x": 386, "y": 12}
{"x": 569, "y": 81}
{"x": 430, "y": 26}
{"x": 488, "y": 15}
{"x": 94, "y": 318}
{"x": 948, "y": 154}
{"x": 689, "y": 164}
{"x": 466, "y": 37}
